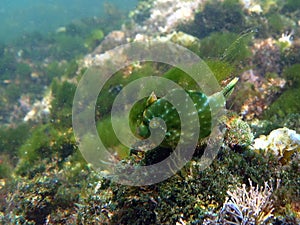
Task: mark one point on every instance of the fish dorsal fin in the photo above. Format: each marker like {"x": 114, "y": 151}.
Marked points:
{"x": 152, "y": 98}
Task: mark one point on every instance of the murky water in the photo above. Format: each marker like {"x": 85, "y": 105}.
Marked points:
{"x": 19, "y": 17}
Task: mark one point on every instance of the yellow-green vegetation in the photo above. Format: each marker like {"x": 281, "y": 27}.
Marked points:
{"x": 94, "y": 39}
{"x": 221, "y": 70}
{"x": 217, "y": 16}
{"x": 61, "y": 106}
{"x": 291, "y": 6}
{"x": 287, "y": 102}
{"x": 181, "y": 78}
{"x": 45, "y": 142}
{"x": 51, "y": 192}
{"x": 109, "y": 139}
{"x": 215, "y": 44}
{"x": 239, "y": 48}
{"x": 10, "y": 141}
{"x": 226, "y": 48}
{"x": 121, "y": 78}
{"x": 12, "y": 138}
{"x": 5, "y": 166}
{"x": 66, "y": 46}
{"x": 292, "y": 75}
{"x": 238, "y": 134}
{"x": 284, "y": 105}
{"x": 292, "y": 121}
{"x": 279, "y": 23}
{"x": 51, "y": 139}
{"x": 50, "y": 182}
{"x": 54, "y": 70}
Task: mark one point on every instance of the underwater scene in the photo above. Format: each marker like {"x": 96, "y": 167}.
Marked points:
{"x": 179, "y": 112}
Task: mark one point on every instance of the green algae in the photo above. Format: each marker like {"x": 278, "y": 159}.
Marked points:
{"x": 94, "y": 39}
{"x": 216, "y": 43}
{"x": 109, "y": 139}
{"x": 217, "y": 17}
{"x": 292, "y": 75}
{"x": 56, "y": 186}
{"x": 278, "y": 23}
{"x": 5, "y": 166}
{"x": 286, "y": 104}
{"x": 291, "y": 6}
{"x": 226, "y": 48}
{"x": 61, "y": 105}
{"x": 239, "y": 48}
{"x": 12, "y": 138}
{"x": 45, "y": 142}
{"x": 222, "y": 70}
{"x": 181, "y": 78}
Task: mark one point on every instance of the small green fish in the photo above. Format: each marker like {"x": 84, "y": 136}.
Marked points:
{"x": 163, "y": 109}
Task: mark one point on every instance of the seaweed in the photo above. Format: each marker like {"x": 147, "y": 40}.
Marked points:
{"x": 61, "y": 106}
{"x": 284, "y": 105}
{"x": 217, "y": 17}
{"x": 290, "y": 6}
{"x": 292, "y": 75}
{"x": 227, "y": 47}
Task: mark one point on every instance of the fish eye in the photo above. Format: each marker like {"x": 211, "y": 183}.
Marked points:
{"x": 154, "y": 123}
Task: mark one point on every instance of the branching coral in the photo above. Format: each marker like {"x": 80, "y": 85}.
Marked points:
{"x": 246, "y": 206}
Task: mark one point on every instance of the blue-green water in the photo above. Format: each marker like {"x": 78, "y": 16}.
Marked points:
{"x": 23, "y": 16}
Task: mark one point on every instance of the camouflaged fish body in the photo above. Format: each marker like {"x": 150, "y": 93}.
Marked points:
{"x": 163, "y": 109}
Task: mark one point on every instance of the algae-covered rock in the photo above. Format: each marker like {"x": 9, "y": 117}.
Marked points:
{"x": 50, "y": 193}
{"x": 262, "y": 127}
{"x": 292, "y": 121}
{"x": 238, "y": 134}
{"x": 186, "y": 40}
{"x": 281, "y": 142}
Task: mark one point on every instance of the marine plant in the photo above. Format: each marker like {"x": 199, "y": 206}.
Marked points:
{"x": 284, "y": 105}
{"x": 53, "y": 70}
{"x": 291, "y": 6}
{"x": 292, "y": 121}
{"x": 45, "y": 142}
{"x": 214, "y": 45}
{"x": 5, "y": 167}
{"x": 50, "y": 193}
{"x": 217, "y": 17}
{"x": 66, "y": 47}
{"x": 7, "y": 65}
{"x": 12, "y": 138}
{"x": 279, "y": 23}
{"x": 94, "y": 39}
{"x": 292, "y": 75}
{"x": 61, "y": 106}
